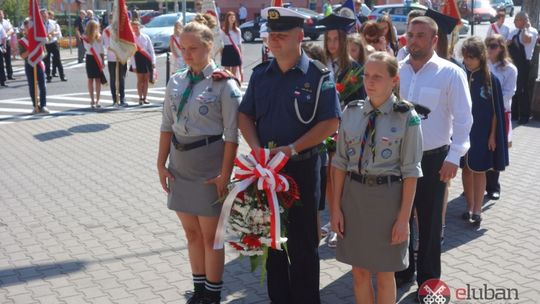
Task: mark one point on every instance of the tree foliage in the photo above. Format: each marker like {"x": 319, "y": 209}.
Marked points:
{"x": 15, "y": 10}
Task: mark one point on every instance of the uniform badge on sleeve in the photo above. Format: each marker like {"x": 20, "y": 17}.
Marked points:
{"x": 235, "y": 93}
{"x": 414, "y": 121}
{"x": 329, "y": 84}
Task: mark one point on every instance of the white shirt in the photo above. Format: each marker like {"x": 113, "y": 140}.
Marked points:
{"x": 529, "y": 47}
{"x": 51, "y": 26}
{"x": 242, "y": 12}
{"x": 402, "y": 53}
{"x": 7, "y": 25}
{"x": 143, "y": 42}
{"x": 235, "y": 36}
{"x": 502, "y": 30}
{"x": 442, "y": 87}
{"x": 507, "y": 76}
{"x": 97, "y": 45}
{"x": 106, "y": 37}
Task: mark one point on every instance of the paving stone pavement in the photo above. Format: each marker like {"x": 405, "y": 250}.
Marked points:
{"x": 84, "y": 220}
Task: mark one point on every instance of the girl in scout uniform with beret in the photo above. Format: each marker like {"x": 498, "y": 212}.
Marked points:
{"x": 199, "y": 137}
{"x": 374, "y": 173}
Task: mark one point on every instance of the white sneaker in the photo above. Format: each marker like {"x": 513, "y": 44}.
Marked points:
{"x": 44, "y": 110}
{"x": 325, "y": 229}
{"x": 332, "y": 239}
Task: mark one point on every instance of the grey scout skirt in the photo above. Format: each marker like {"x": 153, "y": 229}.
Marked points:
{"x": 369, "y": 214}
{"x": 191, "y": 169}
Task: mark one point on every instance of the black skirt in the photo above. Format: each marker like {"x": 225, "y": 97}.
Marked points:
{"x": 92, "y": 68}
{"x": 230, "y": 57}
{"x": 142, "y": 63}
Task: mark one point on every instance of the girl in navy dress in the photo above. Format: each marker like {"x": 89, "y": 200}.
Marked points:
{"x": 489, "y": 145}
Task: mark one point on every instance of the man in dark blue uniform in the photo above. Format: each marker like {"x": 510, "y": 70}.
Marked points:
{"x": 291, "y": 102}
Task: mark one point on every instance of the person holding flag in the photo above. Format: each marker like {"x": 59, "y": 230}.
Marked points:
{"x": 94, "y": 62}
{"x": 120, "y": 45}
{"x": 144, "y": 61}
{"x": 31, "y": 50}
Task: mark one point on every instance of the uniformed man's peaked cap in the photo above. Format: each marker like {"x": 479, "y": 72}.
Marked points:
{"x": 280, "y": 19}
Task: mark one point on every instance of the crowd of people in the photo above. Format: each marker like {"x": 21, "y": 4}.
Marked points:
{"x": 397, "y": 117}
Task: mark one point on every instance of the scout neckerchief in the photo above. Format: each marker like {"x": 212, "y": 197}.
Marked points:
{"x": 494, "y": 28}
{"x": 369, "y": 134}
{"x": 193, "y": 80}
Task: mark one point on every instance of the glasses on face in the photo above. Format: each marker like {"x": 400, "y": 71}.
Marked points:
{"x": 493, "y": 46}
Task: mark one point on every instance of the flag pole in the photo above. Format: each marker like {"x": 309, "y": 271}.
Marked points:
{"x": 117, "y": 82}
{"x": 36, "y": 96}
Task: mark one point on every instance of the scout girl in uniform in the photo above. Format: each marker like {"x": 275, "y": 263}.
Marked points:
{"x": 375, "y": 168}
{"x": 143, "y": 62}
{"x": 199, "y": 136}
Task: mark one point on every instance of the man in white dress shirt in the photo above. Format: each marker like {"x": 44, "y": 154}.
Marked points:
{"x": 3, "y": 37}
{"x": 52, "y": 47}
{"x": 441, "y": 86}
{"x": 8, "y": 28}
{"x": 498, "y": 26}
{"x": 521, "y": 43}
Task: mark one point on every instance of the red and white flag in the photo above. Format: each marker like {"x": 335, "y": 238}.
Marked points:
{"x": 37, "y": 35}
{"x": 276, "y": 3}
{"x": 450, "y": 8}
{"x": 122, "y": 38}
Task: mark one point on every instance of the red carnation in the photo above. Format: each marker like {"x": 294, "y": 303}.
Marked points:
{"x": 340, "y": 87}
{"x": 354, "y": 79}
{"x": 251, "y": 241}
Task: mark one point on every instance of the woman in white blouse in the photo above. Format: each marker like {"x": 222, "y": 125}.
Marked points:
{"x": 174, "y": 46}
{"x": 502, "y": 67}
{"x": 143, "y": 62}
{"x": 231, "y": 56}
{"x": 94, "y": 62}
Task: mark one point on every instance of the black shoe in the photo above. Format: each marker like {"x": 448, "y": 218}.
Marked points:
{"x": 494, "y": 196}
{"x": 466, "y": 216}
{"x": 54, "y": 75}
{"x": 63, "y": 79}
{"x": 11, "y": 78}
{"x": 124, "y": 104}
{"x": 403, "y": 280}
{"x": 476, "y": 220}
{"x": 49, "y": 79}
{"x": 196, "y": 298}
{"x": 3, "y": 84}
{"x": 208, "y": 300}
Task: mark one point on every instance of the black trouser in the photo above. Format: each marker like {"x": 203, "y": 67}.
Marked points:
{"x": 122, "y": 77}
{"x": 298, "y": 282}
{"x": 521, "y": 102}
{"x": 2, "y": 72}
{"x": 7, "y": 58}
{"x": 428, "y": 203}
{"x": 492, "y": 181}
{"x": 52, "y": 49}
{"x": 29, "y": 71}
{"x": 81, "y": 51}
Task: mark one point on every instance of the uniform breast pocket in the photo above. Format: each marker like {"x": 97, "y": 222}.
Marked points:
{"x": 387, "y": 148}
{"x": 208, "y": 103}
{"x": 429, "y": 97}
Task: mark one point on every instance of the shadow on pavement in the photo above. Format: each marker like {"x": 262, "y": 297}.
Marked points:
{"x": 20, "y": 275}
{"x": 88, "y": 128}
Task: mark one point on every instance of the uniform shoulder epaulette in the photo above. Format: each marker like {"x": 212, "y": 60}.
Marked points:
{"x": 403, "y": 106}
{"x": 262, "y": 64}
{"x": 220, "y": 75}
{"x": 356, "y": 103}
{"x": 320, "y": 66}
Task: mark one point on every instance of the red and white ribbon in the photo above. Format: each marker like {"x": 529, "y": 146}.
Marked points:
{"x": 264, "y": 172}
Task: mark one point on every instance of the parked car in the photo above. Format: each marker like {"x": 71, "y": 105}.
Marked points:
{"x": 399, "y": 12}
{"x": 147, "y": 16}
{"x": 251, "y": 29}
{"x": 482, "y": 11}
{"x": 161, "y": 28}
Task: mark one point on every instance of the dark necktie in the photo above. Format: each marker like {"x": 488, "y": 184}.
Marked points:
{"x": 193, "y": 80}
{"x": 369, "y": 135}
